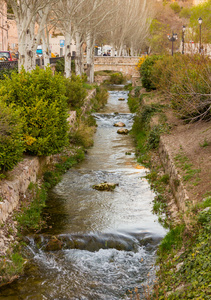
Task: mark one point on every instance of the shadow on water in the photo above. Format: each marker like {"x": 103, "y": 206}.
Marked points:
{"x": 99, "y": 244}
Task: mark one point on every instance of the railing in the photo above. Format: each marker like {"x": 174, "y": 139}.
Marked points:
{"x": 14, "y": 64}
{"x": 8, "y": 64}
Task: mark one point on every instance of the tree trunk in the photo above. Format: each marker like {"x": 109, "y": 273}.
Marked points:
{"x": 30, "y": 49}
{"x": 45, "y": 49}
{"x": 21, "y": 53}
{"x": 68, "y": 39}
{"x": 90, "y": 59}
{"x": 78, "y": 58}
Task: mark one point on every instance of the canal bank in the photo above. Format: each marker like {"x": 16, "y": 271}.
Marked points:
{"x": 179, "y": 158}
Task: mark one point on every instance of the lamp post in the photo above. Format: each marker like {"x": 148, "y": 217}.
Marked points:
{"x": 172, "y": 38}
{"x": 200, "y": 22}
{"x": 183, "y": 39}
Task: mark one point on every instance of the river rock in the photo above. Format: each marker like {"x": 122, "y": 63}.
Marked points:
{"x": 54, "y": 244}
{"x": 121, "y": 99}
{"x": 119, "y": 124}
{"x": 122, "y": 131}
{"x": 105, "y": 186}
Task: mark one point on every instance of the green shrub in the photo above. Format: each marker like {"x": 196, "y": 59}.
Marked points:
{"x": 175, "y": 7}
{"x": 83, "y": 136}
{"x": 100, "y": 98}
{"x": 75, "y": 92}
{"x": 153, "y": 138}
{"x": 117, "y": 78}
{"x": 11, "y": 137}
{"x": 41, "y": 98}
{"x": 185, "y": 81}
{"x": 7, "y": 73}
{"x": 185, "y": 13}
{"x": 60, "y": 66}
{"x": 146, "y": 72}
{"x": 128, "y": 87}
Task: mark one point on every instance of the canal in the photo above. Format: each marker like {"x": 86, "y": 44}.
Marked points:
{"x": 108, "y": 239}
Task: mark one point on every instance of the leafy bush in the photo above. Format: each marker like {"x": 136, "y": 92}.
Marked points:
{"x": 117, "y": 78}
{"x": 141, "y": 61}
{"x": 11, "y": 137}
{"x": 146, "y": 72}
{"x": 60, "y": 66}
{"x": 83, "y": 136}
{"x": 185, "y": 13}
{"x": 175, "y": 7}
{"x": 7, "y": 72}
{"x": 41, "y": 98}
{"x": 185, "y": 81}
{"x": 154, "y": 137}
{"x": 100, "y": 98}
{"x": 75, "y": 92}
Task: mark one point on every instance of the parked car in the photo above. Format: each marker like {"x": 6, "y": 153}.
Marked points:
{"x": 7, "y": 56}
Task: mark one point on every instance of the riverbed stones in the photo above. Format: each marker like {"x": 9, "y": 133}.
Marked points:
{"x": 105, "y": 186}
{"x": 119, "y": 124}
{"x": 122, "y": 131}
{"x": 54, "y": 244}
{"x": 121, "y": 99}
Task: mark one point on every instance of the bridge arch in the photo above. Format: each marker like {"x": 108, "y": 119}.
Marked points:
{"x": 126, "y": 65}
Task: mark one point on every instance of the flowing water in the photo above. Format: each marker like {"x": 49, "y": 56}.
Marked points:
{"x": 107, "y": 240}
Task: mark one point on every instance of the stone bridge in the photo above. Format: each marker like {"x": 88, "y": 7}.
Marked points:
{"x": 124, "y": 64}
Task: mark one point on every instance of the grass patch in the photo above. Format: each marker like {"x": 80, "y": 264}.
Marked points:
{"x": 30, "y": 216}
{"x": 100, "y": 98}
{"x": 10, "y": 266}
{"x": 185, "y": 261}
{"x": 190, "y": 174}
{"x": 83, "y": 136}
{"x": 205, "y": 144}
{"x": 173, "y": 240}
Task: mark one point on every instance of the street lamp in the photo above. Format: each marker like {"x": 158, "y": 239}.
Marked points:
{"x": 200, "y": 22}
{"x": 172, "y": 38}
{"x": 183, "y": 39}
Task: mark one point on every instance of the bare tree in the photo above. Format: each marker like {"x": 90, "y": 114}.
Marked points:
{"x": 27, "y": 13}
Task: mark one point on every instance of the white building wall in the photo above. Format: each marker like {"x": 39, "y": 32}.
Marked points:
{"x": 54, "y": 43}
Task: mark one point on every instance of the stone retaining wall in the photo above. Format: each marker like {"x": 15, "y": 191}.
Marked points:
{"x": 11, "y": 189}
{"x": 27, "y": 171}
{"x": 176, "y": 184}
